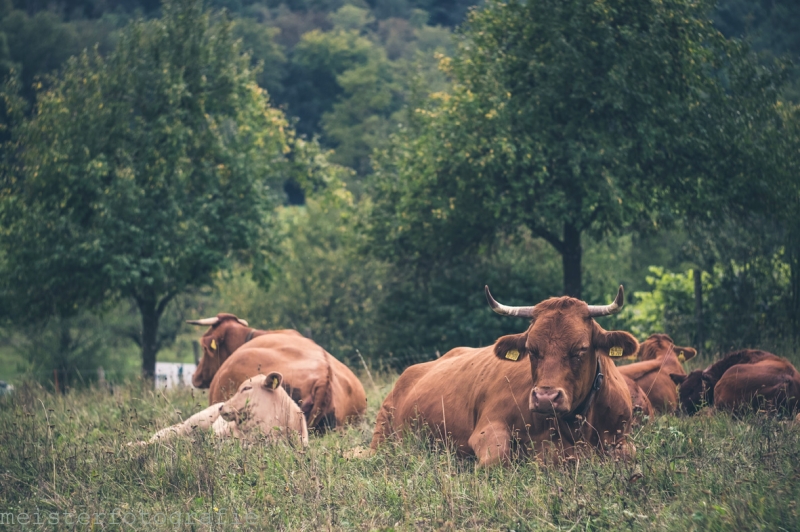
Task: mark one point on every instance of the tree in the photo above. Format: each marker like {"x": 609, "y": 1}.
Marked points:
{"x": 574, "y": 117}
{"x": 141, "y": 175}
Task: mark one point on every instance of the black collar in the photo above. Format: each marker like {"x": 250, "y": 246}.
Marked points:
{"x": 587, "y": 403}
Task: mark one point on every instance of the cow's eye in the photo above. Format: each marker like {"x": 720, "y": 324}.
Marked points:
{"x": 247, "y": 388}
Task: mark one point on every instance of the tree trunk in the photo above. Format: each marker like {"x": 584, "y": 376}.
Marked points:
{"x": 697, "y": 273}
{"x": 150, "y": 317}
{"x": 571, "y": 260}
{"x": 794, "y": 279}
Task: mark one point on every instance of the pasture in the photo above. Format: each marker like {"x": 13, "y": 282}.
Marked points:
{"x": 64, "y": 465}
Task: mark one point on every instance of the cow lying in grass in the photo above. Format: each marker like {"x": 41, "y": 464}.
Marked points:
{"x": 487, "y": 402}
{"x": 326, "y": 390}
{"x": 260, "y": 406}
{"x": 742, "y": 380}
{"x": 659, "y": 358}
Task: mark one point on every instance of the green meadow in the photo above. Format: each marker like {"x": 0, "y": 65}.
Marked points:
{"x": 66, "y": 465}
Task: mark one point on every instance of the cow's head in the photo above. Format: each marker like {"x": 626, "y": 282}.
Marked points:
{"x": 658, "y": 345}
{"x": 225, "y": 335}
{"x": 563, "y": 344}
{"x": 694, "y": 390}
{"x": 258, "y": 396}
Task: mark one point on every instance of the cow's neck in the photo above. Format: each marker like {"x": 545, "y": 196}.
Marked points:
{"x": 586, "y": 404}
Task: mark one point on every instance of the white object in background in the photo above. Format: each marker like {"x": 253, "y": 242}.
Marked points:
{"x": 171, "y": 374}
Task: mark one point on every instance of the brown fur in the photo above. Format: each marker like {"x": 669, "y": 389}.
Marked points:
{"x": 260, "y": 403}
{"x": 326, "y": 390}
{"x": 749, "y": 378}
{"x": 642, "y": 407}
{"x": 659, "y": 358}
{"x": 228, "y": 335}
{"x": 482, "y": 403}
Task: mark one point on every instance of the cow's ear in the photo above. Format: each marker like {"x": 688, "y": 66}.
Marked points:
{"x": 678, "y": 378}
{"x": 273, "y": 380}
{"x": 511, "y": 347}
{"x": 614, "y": 343}
{"x": 684, "y": 353}
{"x": 210, "y": 345}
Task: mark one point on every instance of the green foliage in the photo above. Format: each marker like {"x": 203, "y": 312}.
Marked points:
{"x": 744, "y": 306}
{"x": 573, "y": 117}
{"x": 771, "y": 27}
{"x": 699, "y": 473}
{"x": 321, "y": 285}
{"x": 139, "y": 174}
{"x": 39, "y": 44}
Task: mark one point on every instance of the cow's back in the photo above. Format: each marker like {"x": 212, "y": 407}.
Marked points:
{"x": 321, "y": 385}
{"x": 653, "y": 377}
{"x": 770, "y": 382}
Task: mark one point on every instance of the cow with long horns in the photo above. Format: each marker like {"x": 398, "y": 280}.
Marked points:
{"x": 326, "y": 390}
{"x": 486, "y": 402}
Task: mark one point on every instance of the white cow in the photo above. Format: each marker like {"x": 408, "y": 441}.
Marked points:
{"x": 261, "y": 404}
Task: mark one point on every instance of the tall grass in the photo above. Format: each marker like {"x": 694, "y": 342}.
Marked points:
{"x": 67, "y": 454}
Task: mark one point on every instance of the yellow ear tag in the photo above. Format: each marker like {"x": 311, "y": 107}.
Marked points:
{"x": 681, "y": 357}
{"x": 274, "y": 382}
{"x": 615, "y": 352}
{"x": 213, "y": 345}
{"x": 512, "y": 355}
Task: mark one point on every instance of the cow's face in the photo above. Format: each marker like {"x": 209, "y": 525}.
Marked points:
{"x": 658, "y": 345}
{"x": 226, "y": 334}
{"x": 562, "y": 344}
{"x": 256, "y": 393}
{"x": 694, "y": 390}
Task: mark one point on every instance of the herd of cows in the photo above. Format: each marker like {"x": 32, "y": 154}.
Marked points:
{"x": 483, "y": 401}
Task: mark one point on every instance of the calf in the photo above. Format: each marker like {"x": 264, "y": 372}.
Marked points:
{"x": 749, "y": 378}
{"x": 261, "y": 405}
{"x": 659, "y": 359}
{"x": 486, "y": 403}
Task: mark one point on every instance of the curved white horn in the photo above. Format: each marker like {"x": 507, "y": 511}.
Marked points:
{"x": 204, "y": 321}
{"x": 243, "y": 322}
{"x": 504, "y": 310}
{"x": 606, "y": 310}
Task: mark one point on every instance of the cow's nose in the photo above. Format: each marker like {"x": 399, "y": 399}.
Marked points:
{"x": 547, "y": 399}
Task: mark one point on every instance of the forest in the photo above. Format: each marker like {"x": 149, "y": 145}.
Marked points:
{"x": 359, "y": 170}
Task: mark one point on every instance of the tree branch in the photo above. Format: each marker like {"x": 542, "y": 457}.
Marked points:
{"x": 162, "y": 305}
{"x": 550, "y": 238}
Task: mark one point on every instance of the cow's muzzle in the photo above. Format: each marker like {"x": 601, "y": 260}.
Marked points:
{"x": 548, "y": 400}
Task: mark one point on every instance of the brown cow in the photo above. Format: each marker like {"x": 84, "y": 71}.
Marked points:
{"x": 642, "y": 407}
{"x": 749, "y": 378}
{"x": 226, "y": 334}
{"x": 260, "y": 403}
{"x": 486, "y": 403}
{"x": 326, "y": 390}
{"x": 660, "y": 358}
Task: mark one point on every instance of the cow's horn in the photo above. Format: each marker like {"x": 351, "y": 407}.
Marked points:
{"x": 243, "y": 322}
{"x": 204, "y": 321}
{"x": 607, "y": 310}
{"x": 522, "y": 312}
